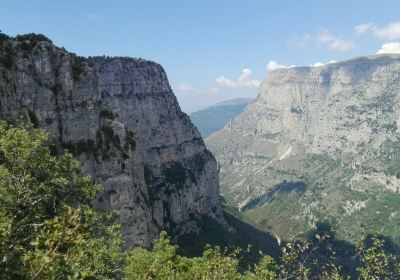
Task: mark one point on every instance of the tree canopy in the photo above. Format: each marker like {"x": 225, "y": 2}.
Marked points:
{"x": 49, "y": 230}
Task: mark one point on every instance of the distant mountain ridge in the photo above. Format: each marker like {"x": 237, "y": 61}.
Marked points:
{"x": 216, "y": 116}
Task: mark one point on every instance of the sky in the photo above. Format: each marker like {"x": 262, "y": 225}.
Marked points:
{"x": 213, "y": 50}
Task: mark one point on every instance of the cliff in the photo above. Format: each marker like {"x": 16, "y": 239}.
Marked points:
{"x": 318, "y": 144}
{"x": 120, "y": 118}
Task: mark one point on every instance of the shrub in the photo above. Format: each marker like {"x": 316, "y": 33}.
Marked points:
{"x": 107, "y": 114}
{"x": 175, "y": 174}
{"x": 130, "y": 140}
{"x": 48, "y": 228}
{"x": 78, "y": 67}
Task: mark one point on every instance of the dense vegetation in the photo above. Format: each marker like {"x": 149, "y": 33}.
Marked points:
{"x": 49, "y": 230}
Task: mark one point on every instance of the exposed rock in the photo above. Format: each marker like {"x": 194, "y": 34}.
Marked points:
{"x": 120, "y": 118}
{"x": 333, "y": 127}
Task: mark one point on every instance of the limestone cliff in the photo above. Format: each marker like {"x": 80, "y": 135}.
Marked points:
{"x": 120, "y": 118}
{"x": 324, "y": 142}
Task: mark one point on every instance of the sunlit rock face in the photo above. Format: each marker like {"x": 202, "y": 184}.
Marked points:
{"x": 319, "y": 139}
{"x": 120, "y": 118}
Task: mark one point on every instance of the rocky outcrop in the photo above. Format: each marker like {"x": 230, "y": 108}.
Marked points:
{"x": 317, "y": 138}
{"x": 120, "y": 118}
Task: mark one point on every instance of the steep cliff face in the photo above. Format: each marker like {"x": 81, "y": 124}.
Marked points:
{"x": 120, "y": 118}
{"x": 318, "y": 144}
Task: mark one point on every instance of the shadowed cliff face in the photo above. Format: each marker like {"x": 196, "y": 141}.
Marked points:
{"x": 333, "y": 130}
{"x": 119, "y": 117}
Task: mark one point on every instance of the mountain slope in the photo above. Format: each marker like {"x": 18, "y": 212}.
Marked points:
{"x": 120, "y": 118}
{"x": 318, "y": 144}
{"x": 217, "y": 116}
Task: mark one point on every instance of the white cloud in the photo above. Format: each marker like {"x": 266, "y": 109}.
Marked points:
{"x": 317, "y": 64}
{"x": 392, "y": 47}
{"x": 389, "y": 32}
{"x": 272, "y": 65}
{"x": 364, "y": 28}
{"x": 242, "y": 82}
{"x": 324, "y": 37}
{"x": 184, "y": 87}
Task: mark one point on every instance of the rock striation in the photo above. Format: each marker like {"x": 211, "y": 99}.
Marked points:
{"x": 318, "y": 139}
{"x": 120, "y": 118}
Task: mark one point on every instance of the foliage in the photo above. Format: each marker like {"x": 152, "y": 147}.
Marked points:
{"x": 48, "y": 230}
{"x": 109, "y": 137}
{"x": 213, "y": 233}
{"x": 175, "y": 174}
{"x": 33, "y": 118}
{"x": 102, "y": 147}
{"x": 375, "y": 262}
{"x": 164, "y": 263}
{"x": 78, "y": 67}
{"x": 33, "y": 37}
{"x": 7, "y": 57}
{"x": 300, "y": 260}
{"x": 130, "y": 140}
{"x": 27, "y": 42}
{"x": 148, "y": 175}
{"x": 107, "y": 114}
{"x": 3, "y": 37}
{"x": 81, "y": 146}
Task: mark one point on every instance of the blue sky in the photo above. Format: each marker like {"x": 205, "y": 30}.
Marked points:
{"x": 212, "y": 50}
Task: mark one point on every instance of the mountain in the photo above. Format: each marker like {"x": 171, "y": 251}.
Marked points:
{"x": 119, "y": 117}
{"x": 217, "y": 116}
{"x": 319, "y": 144}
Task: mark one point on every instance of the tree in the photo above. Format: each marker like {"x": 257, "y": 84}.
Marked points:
{"x": 48, "y": 229}
{"x": 164, "y": 263}
{"x": 375, "y": 262}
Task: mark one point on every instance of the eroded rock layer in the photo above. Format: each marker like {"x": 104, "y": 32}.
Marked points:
{"x": 120, "y": 118}
{"x": 318, "y": 144}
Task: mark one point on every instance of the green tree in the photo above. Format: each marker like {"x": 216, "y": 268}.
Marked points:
{"x": 48, "y": 230}
{"x": 375, "y": 262}
{"x": 164, "y": 263}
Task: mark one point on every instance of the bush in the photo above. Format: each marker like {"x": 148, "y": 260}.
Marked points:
{"x": 3, "y": 37}
{"x": 48, "y": 228}
{"x": 300, "y": 260}
{"x": 107, "y": 114}
{"x": 78, "y": 67}
{"x": 33, "y": 38}
{"x": 27, "y": 42}
{"x": 175, "y": 174}
{"x": 130, "y": 140}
